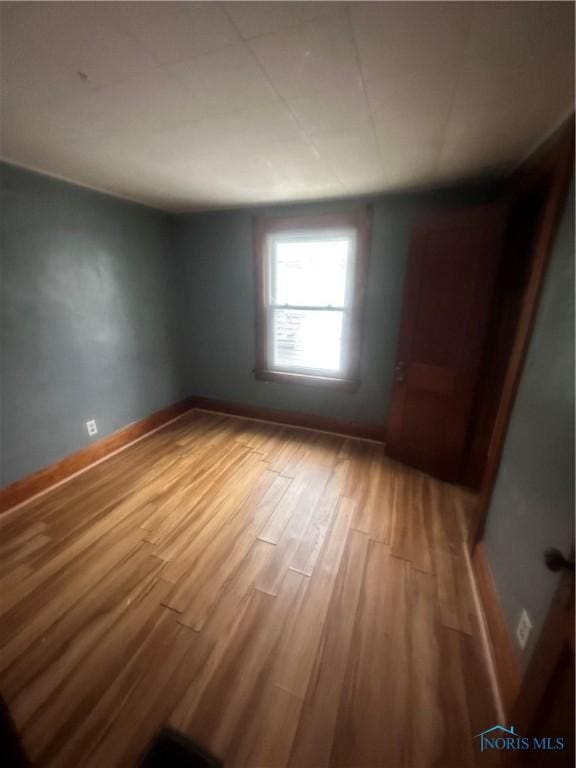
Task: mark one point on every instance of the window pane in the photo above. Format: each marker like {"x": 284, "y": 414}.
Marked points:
{"x": 310, "y": 273}
{"x": 304, "y": 338}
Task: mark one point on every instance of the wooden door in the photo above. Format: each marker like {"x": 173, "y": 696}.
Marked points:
{"x": 447, "y": 302}
{"x": 525, "y": 215}
{"x": 541, "y": 183}
{"x": 545, "y": 704}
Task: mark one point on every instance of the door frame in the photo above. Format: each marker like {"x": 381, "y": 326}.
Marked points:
{"x": 532, "y": 694}
{"x": 550, "y": 169}
{"x": 454, "y": 383}
{"x": 546, "y": 652}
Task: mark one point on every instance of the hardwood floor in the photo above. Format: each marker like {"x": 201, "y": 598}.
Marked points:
{"x": 284, "y": 597}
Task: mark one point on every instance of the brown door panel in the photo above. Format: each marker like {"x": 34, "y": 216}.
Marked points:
{"x": 448, "y": 294}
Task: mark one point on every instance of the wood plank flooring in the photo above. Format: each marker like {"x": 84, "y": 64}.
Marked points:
{"x": 284, "y": 597}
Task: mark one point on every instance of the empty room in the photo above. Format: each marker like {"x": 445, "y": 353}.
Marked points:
{"x": 287, "y": 384}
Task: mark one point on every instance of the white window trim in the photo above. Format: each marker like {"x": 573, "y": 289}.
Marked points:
{"x": 315, "y": 235}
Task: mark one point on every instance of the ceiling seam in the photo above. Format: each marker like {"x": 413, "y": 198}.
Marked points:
{"x": 363, "y": 83}
{"x": 285, "y": 103}
{"x": 457, "y": 83}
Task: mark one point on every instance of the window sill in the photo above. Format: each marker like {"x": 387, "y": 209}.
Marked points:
{"x": 347, "y": 385}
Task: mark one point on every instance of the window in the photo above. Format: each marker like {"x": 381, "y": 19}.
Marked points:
{"x": 310, "y": 277}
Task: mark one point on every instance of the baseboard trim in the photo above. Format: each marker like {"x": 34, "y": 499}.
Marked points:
{"x": 504, "y": 654}
{"x": 23, "y": 490}
{"x": 374, "y": 433}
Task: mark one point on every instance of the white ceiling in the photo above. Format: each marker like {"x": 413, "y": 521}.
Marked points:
{"x": 193, "y": 105}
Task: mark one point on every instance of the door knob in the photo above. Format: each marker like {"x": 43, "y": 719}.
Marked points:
{"x": 400, "y": 371}
{"x": 555, "y": 560}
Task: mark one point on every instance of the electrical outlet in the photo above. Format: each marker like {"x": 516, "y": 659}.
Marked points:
{"x": 91, "y": 427}
{"x": 523, "y": 629}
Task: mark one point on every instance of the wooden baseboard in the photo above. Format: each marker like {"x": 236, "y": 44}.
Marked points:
{"x": 505, "y": 655}
{"x": 292, "y": 418}
{"x": 29, "y": 486}
{"x": 24, "y": 489}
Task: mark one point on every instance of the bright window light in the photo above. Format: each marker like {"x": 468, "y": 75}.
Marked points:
{"x": 309, "y": 296}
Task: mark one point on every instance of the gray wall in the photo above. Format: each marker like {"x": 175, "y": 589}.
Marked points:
{"x": 88, "y": 314}
{"x": 216, "y": 336}
{"x": 533, "y": 502}
{"x": 85, "y": 317}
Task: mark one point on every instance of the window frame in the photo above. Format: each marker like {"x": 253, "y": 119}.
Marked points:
{"x": 265, "y": 227}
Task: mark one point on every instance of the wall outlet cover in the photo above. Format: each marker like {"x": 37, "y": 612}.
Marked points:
{"x": 523, "y": 629}
{"x": 91, "y": 427}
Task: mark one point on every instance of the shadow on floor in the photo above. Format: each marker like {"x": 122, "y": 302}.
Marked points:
{"x": 171, "y": 749}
